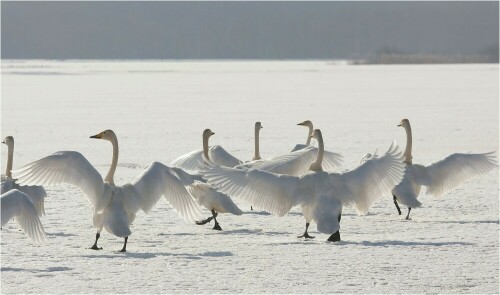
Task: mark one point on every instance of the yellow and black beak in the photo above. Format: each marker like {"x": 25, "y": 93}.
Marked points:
{"x": 301, "y": 124}
{"x": 212, "y": 133}
{"x": 99, "y": 136}
{"x": 399, "y": 125}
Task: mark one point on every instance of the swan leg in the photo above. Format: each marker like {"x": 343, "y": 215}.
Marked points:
{"x": 216, "y": 226}
{"x": 306, "y": 235}
{"x": 335, "y": 237}
{"x": 396, "y": 203}
{"x": 94, "y": 247}
{"x": 408, "y": 216}
{"x": 124, "y": 249}
{"x": 251, "y": 208}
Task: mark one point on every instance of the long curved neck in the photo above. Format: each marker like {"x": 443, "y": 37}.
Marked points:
{"x": 407, "y": 153}
{"x": 316, "y": 166}
{"x": 205, "y": 146}
{"x": 111, "y": 174}
{"x": 10, "y": 159}
{"x": 257, "y": 150}
{"x": 308, "y": 142}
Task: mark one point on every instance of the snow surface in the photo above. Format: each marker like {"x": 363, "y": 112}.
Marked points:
{"x": 159, "y": 109}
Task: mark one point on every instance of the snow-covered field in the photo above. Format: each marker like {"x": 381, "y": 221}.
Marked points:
{"x": 159, "y": 110}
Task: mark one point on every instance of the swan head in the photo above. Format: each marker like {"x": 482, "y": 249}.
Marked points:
{"x": 404, "y": 123}
{"x": 106, "y": 135}
{"x": 306, "y": 123}
{"x": 207, "y": 133}
{"x": 258, "y": 125}
{"x": 9, "y": 141}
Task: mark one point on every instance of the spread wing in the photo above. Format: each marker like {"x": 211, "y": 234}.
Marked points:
{"x": 275, "y": 193}
{"x": 18, "y": 205}
{"x": 65, "y": 167}
{"x": 191, "y": 162}
{"x": 455, "y": 169}
{"x": 296, "y": 163}
{"x": 370, "y": 180}
{"x": 159, "y": 180}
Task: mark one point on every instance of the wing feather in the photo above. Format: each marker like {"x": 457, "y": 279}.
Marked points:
{"x": 65, "y": 167}
{"x": 264, "y": 190}
{"x": 455, "y": 169}
{"x": 373, "y": 178}
{"x": 159, "y": 180}
{"x": 18, "y": 205}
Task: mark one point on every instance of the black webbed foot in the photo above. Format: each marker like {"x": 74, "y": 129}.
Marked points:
{"x": 205, "y": 221}
{"x": 94, "y": 247}
{"x": 306, "y": 235}
{"x": 217, "y": 226}
{"x": 335, "y": 237}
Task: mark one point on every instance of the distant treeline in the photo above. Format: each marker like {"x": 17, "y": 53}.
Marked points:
{"x": 394, "y": 56}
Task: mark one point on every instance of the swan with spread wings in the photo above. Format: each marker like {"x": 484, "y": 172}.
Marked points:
{"x": 115, "y": 207}
{"x": 322, "y": 193}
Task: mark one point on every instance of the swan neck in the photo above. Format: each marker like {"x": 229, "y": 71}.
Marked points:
{"x": 10, "y": 159}
{"x": 407, "y": 153}
{"x": 257, "y": 149}
{"x": 316, "y": 166}
{"x": 205, "y": 146}
{"x": 308, "y": 142}
{"x": 110, "y": 177}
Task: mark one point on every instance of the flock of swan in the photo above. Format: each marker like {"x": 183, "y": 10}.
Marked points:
{"x": 307, "y": 176}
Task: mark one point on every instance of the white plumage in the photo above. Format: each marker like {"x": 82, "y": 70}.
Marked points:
{"x": 18, "y": 205}
{"x": 36, "y": 193}
{"x": 439, "y": 177}
{"x": 115, "y": 207}
{"x": 323, "y": 193}
{"x": 193, "y": 162}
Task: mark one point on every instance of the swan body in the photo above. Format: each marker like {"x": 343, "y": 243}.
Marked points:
{"x": 36, "y": 193}
{"x": 439, "y": 177}
{"x": 322, "y": 193}
{"x": 204, "y": 194}
{"x": 18, "y": 205}
{"x": 193, "y": 161}
{"x": 114, "y": 207}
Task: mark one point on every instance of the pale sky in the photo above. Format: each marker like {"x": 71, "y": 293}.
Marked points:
{"x": 251, "y": 30}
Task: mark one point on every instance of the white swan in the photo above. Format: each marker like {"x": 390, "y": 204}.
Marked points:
{"x": 36, "y": 193}
{"x": 322, "y": 193}
{"x": 258, "y": 126}
{"x": 115, "y": 207}
{"x": 309, "y": 125}
{"x": 295, "y": 163}
{"x": 18, "y": 205}
{"x": 193, "y": 161}
{"x": 207, "y": 197}
{"x": 439, "y": 177}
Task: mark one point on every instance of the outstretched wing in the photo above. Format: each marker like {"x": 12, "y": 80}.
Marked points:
{"x": 159, "y": 180}
{"x": 191, "y": 162}
{"x": 16, "y": 204}
{"x": 65, "y": 167}
{"x": 296, "y": 163}
{"x": 370, "y": 180}
{"x": 268, "y": 191}
{"x": 37, "y": 194}
{"x": 455, "y": 169}
{"x": 220, "y": 156}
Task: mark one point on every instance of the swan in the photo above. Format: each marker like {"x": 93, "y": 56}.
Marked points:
{"x": 193, "y": 161}
{"x": 207, "y": 197}
{"x": 36, "y": 193}
{"x": 295, "y": 163}
{"x": 258, "y": 126}
{"x": 309, "y": 125}
{"x": 322, "y": 193}
{"x": 439, "y": 177}
{"x": 18, "y": 205}
{"x": 114, "y": 207}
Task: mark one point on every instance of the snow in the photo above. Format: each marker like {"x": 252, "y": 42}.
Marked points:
{"x": 159, "y": 109}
